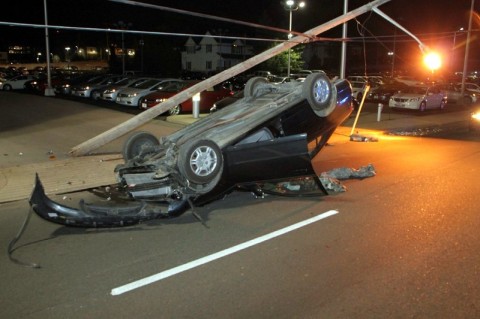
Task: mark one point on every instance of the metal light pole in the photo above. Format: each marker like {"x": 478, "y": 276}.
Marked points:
{"x": 343, "y": 58}
{"x": 467, "y": 48}
{"x": 48, "y": 91}
{"x": 291, "y": 6}
{"x": 452, "y": 55}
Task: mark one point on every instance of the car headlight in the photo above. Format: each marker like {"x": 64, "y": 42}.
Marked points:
{"x": 132, "y": 95}
{"x": 160, "y": 100}
{"x": 476, "y": 116}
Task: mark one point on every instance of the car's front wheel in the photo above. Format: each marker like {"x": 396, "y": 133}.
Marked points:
{"x": 7, "y": 87}
{"x": 319, "y": 92}
{"x": 139, "y": 143}
{"x": 443, "y": 104}
{"x": 201, "y": 162}
{"x": 177, "y": 109}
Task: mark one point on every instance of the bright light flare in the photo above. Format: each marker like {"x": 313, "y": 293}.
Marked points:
{"x": 433, "y": 61}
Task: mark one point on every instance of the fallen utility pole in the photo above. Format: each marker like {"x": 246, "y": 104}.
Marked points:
{"x": 146, "y": 116}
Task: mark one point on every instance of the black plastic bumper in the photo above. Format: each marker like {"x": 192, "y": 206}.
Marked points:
{"x": 89, "y": 215}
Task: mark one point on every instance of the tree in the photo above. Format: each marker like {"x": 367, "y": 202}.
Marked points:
{"x": 279, "y": 63}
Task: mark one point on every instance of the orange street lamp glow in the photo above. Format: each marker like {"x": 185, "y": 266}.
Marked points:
{"x": 433, "y": 61}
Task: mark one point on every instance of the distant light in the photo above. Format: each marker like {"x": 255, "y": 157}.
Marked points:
{"x": 433, "y": 61}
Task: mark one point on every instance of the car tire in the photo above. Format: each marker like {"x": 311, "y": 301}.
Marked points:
{"x": 443, "y": 104}
{"x": 7, "y": 87}
{"x": 177, "y": 109}
{"x": 252, "y": 86}
{"x": 319, "y": 92}
{"x": 201, "y": 162}
{"x": 138, "y": 143}
{"x": 422, "y": 107}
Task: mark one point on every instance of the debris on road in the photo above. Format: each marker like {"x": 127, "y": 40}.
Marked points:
{"x": 362, "y": 138}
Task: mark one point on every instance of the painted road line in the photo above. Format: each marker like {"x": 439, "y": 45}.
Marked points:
{"x": 201, "y": 261}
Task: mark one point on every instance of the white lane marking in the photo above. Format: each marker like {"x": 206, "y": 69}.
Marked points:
{"x": 201, "y": 261}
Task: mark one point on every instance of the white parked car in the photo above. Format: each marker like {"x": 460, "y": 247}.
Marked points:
{"x": 358, "y": 89}
{"x": 16, "y": 83}
{"x": 132, "y": 95}
{"x": 419, "y": 98}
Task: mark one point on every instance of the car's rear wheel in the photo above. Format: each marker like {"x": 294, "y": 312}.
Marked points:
{"x": 252, "y": 86}
{"x": 139, "y": 143}
{"x": 423, "y": 106}
{"x": 201, "y": 162}
{"x": 319, "y": 92}
{"x": 177, "y": 109}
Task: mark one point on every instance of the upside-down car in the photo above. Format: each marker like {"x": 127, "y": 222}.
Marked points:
{"x": 271, "y": 134}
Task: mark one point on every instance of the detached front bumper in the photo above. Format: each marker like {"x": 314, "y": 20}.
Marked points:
{"x": 88, "y": 215}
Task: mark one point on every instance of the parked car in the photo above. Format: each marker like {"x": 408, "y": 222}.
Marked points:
{"x": 111, "y": 91}
{"x": 383, "y": 93}
{"x": 96, "y": 84}
{"x": 419, "y": 98}
{"x": 358, "y": 89}
{"x": 132, "y": 95}
{"x": 40, "y": 84}
{"x": 472, "y": 87}
{"x": 454, "y": 95}
{"x": 70, "y": 80}
{"x": 272, "y": 134}
{"x": 16, "y": 83}
{"x": 207, "y": 97}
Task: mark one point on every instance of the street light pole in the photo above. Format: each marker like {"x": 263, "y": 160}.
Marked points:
{"x": 49, "y": 90}
{"x": 467, "y": 48}
{"x": 291, "y": 5}
{"x": 452, "y": 56}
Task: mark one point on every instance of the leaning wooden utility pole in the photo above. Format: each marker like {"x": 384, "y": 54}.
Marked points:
{"x": 144, "y": 117}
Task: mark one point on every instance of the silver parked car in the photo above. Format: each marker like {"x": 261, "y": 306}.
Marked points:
{"x": 87, "y": 89}
{"x": 419, "y": 98}
{"x": 132, "y": 95}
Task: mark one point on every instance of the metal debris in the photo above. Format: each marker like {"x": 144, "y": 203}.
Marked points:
{"x": 331, "y": 179}
{"x": 362, "y": 138}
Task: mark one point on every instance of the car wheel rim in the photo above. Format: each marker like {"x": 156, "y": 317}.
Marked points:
{"x": 321, "y": 91}
{"x": 203, "y": 161}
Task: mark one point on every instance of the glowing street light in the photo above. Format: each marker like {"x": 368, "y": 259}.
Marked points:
{"x": 433, "y": 61}
{"x": 291, "y": 5}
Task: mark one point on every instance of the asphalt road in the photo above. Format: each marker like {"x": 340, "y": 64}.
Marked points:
{"x": 401, "y": 244}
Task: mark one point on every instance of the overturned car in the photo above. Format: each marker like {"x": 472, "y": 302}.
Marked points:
{"x": 271, "y": 134}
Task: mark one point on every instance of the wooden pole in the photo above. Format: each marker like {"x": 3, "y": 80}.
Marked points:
{"x": 144, "y": 117}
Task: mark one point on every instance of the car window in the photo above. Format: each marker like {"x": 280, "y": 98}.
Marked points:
{"x": 147, "y": 84}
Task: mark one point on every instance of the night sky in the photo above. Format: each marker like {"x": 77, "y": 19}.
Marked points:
{"x": 425, "y": 16}
{"x": 431, "y": 20}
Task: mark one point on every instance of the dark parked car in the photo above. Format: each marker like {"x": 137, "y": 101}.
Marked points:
{"x": 207, "y": 97}
{"x": 383, "y": 93}
{"x": 272, "y": 134}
